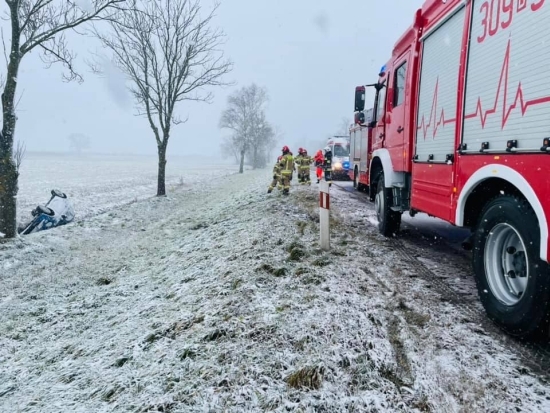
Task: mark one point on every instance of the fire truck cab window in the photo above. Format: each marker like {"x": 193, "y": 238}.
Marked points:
{"x": 399, "y": 85}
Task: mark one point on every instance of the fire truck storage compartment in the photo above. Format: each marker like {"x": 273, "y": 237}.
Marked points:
{"x": 508, "y": 77}
{"x": 359, "y": 146}
{"x": 364, "y": 151}
{"x": 355, "y": 144}
{"x": 436, "y": 117}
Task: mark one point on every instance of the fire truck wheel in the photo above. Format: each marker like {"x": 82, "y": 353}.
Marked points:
{"x": 388, "y": 220}
{"x": 512, "y": 281}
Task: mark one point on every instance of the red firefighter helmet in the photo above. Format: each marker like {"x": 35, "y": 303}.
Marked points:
{"x": 285, "y": 149}
{"x": 300, "y": 150}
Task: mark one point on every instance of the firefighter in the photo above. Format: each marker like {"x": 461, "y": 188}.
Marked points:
{"x": 294, "y": 168}
{"x": 305, "y": 168}
{"x": 287, "y": 167}
{"x": 327, "y": 165}
{"x": 276, "y": 177}
{"x": 319, "y": 160}
{"x": 297, "y": 163}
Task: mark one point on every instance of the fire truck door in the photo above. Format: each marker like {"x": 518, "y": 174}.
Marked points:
{"x": 396, "y": 124}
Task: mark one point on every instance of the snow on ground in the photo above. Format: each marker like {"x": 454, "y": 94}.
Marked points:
{"x": 218, "y": 299}
{"x": 96, "y": 183}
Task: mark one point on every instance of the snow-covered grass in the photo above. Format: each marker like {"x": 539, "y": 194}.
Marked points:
{"x": 96, "y": 183}
{"x": 219, "y": 299}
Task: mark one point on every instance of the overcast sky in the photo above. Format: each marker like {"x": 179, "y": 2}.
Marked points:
{"x": 309, "y": 54}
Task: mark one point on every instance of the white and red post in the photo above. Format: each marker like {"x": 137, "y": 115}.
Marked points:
{"x": 324, "y": 214}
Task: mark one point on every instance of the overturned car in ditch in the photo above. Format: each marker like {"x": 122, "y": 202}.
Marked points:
{"x": 58, "y": 211}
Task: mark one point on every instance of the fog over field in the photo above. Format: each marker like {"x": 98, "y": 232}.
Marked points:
{"x": 308, "y": 54}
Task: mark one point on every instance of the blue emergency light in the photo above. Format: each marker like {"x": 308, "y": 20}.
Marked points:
{"x": 346, "y": 165}
{"x": 382, "y": 71}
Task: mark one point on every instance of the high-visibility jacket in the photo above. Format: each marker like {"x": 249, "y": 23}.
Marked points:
{"x": 287, "y": 164}
{"x": 319, "y": 159}
{"x": 305, "y": 162}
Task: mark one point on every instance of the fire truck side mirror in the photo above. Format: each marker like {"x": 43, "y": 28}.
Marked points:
{"x": 359, "y": 98}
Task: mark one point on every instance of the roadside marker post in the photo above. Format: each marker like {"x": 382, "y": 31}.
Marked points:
{"x": 324, "y": 214}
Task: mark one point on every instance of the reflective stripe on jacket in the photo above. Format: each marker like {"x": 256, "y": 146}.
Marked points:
{"x": 287, "y": 164}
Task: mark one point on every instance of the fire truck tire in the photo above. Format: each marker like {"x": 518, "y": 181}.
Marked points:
{"x": 513, "y": 282}
{"x": 388, "y": 220}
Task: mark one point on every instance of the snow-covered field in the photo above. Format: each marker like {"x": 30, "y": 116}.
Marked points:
{"x": 217, "y": 298}
{"x": 96, "y": 183}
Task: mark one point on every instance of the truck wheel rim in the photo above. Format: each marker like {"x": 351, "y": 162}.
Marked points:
{"x": 506, "y": 264}
{"x": 379, "y": 206}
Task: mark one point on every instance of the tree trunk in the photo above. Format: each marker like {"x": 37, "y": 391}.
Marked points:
{"x": 241, "y": 166}
{"x": 161, "y": 185}
{"x": 8, "y": 170}
{"x": 8, "y": 194}
{"x": 255, "y": 158}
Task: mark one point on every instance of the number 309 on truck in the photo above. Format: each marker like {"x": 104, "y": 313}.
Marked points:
{"x": 460, "y": 130}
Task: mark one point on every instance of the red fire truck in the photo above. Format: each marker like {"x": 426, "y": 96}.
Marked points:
{"x": 461, "y": 131}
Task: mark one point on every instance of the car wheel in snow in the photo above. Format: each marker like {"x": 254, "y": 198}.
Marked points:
{"x": 512, "y": 281}
{"x": 44, "y": 210}
{"x": 56, "y": 192}
{"x": 388, "y": 220}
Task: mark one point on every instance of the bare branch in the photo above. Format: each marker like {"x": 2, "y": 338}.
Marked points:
{"x": 19, "y": 154}
{"x": 43, "y": 23}
{"x": 19, "y": 100}
{"x": 56, "y": 51}
{"x": 44, "y": 19}
{"x": 5, "y": 48}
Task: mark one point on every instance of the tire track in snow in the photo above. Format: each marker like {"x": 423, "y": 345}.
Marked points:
{"x": 462, "y": 294}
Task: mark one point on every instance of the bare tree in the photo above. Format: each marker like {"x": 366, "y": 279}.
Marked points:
{"x": 245, "y": 117}
{"x": 272, "y": 143}
{"x": 36, "y": 25}
{"x": 229, "y": 149}
{"x": 343, "y": 129}
{"x": 19, "y": 154}
{"x": 262, "y": 134}
{"x": 170, "y": 54}
{"x": 79, "y": 142}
